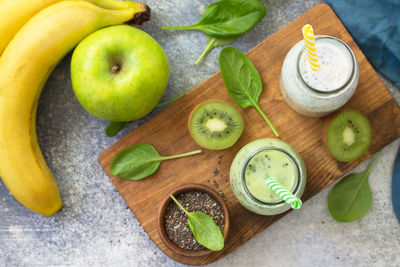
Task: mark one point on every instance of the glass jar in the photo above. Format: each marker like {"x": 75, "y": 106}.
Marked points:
{"x": 258, "y": 160}
{"x": 319, "y": 93}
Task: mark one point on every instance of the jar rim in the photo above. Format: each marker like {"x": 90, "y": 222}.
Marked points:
{"x": 337, "y": 90}
{"x": 247, "y": 190}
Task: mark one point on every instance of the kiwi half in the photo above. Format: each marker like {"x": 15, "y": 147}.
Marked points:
{"x": 348, "y": 136}
{"x": 215, "y": 125}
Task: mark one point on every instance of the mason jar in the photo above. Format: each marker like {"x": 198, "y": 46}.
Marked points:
{"x": 319, "y": 93}
{"x": 255, "y": 163}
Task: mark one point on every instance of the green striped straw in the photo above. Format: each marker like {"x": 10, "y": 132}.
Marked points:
{"x": 283, "y": 193}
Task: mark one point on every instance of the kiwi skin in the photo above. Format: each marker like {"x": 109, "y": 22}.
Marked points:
{"x": 348, "y": 123}
{"x": 226, "y": 141}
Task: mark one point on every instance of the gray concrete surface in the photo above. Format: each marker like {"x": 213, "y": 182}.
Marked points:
{"x": 95, "y": 227}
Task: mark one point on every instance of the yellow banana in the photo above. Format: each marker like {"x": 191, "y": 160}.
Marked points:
{"x": 24, "y": 68}
{"x": 15, "y": 13}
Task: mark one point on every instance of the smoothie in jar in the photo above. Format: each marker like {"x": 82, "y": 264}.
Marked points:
{"x": 319, "y": 93}
{"x": 259, "y": 160}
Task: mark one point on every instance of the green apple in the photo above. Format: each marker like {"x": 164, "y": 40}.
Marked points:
{"x": 119, "y": 73}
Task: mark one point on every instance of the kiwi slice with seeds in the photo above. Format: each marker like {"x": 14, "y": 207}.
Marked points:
{"x": 215, "y": 125}
{"x": 348, "y": 136}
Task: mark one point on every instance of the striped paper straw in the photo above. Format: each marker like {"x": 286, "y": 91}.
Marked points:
{"x": 309, "y": 40}
{"x": 283, "y": 193}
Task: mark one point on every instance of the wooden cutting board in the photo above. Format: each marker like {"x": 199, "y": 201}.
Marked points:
{"x": 168, "y": 132}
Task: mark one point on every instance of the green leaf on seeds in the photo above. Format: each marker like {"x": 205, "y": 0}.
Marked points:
{"x": 204, "y": 229}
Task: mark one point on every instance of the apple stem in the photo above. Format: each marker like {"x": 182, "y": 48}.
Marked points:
{"x": 115, "y": 68}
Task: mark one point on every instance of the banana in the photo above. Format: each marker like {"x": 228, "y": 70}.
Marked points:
{"x": 24, "y": 68}
{"x": 15, "y": 13}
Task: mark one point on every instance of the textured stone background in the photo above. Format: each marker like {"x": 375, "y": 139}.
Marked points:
{"x": 95, "y": 227}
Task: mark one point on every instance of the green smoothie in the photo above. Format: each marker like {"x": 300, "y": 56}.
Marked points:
{"x": 270, "y": 163}
{"x": 259, "y": 160}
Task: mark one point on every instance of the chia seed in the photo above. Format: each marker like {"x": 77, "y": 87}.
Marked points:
{"x": 216, "y": 184}
{"x": 176, "y": 221}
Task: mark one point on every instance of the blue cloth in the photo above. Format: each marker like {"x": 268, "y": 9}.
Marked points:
{"x": 396, "y": 186}
{"x": 375, "y": 26}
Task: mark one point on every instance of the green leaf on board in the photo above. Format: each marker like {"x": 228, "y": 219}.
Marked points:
{"x": 139, "y": 161}
{"x": 242, "y": 80}
{"x": 204, "y": 229}
{"x": 351, "y": 198}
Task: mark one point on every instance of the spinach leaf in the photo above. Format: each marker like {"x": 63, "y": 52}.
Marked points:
{"x": 204, "y": 229}
{"x": 213, "y": 42}
{"x": 227, "y": 18}
{"x": 115, "y": 127}
{"x": 139, "y": 161}
{"x": 242, "y": 80}
{"x": 224, "y": 21}
{"x": 351, "y": 198}
{"x": 169, "y": 100}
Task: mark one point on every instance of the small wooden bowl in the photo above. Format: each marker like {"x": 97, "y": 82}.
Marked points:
{"x": 163, "y": 208}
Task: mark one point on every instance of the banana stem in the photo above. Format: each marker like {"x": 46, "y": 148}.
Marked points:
{"x": 135, "y": 13}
